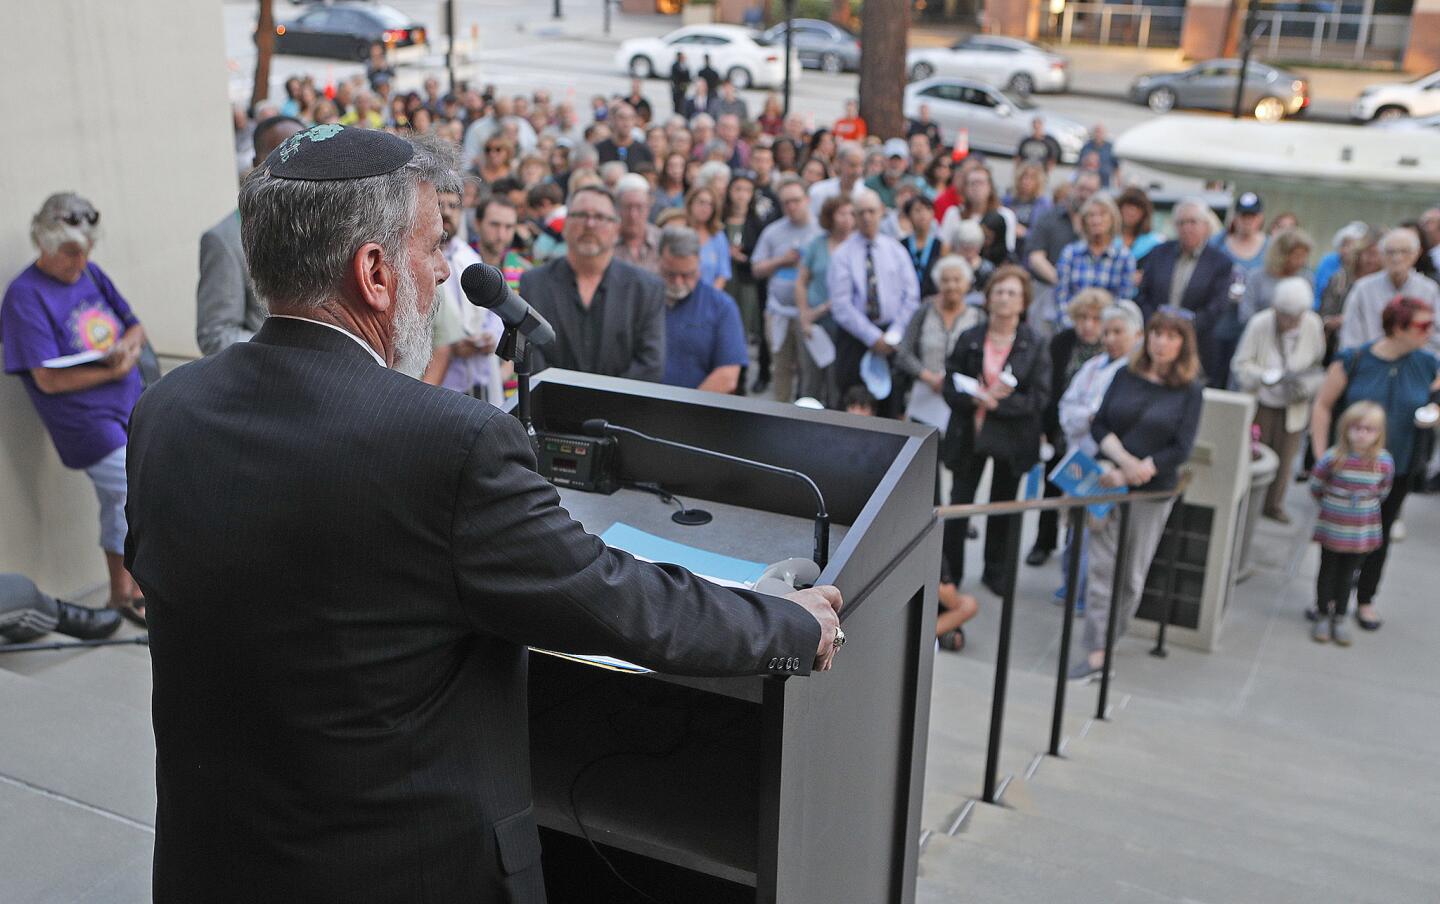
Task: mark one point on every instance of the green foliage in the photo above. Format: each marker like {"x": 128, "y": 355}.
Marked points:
{"x": 811, "y": 9}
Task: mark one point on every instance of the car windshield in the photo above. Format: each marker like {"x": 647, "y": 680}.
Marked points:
{"x": 1425, "y": 79}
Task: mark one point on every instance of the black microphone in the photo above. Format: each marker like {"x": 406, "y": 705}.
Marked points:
{"x": 485, "y": 287}
{"x": 601, "y": 427}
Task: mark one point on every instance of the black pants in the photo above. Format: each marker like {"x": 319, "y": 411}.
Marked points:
{"x": 1336, "y": 580}
{"x": 848, "y": 352}
{"x": 1004, "y": 482}
{"x": 1375, "y": 562}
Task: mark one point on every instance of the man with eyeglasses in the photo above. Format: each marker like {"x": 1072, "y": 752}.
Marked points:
{"x": 1400, "y": 250}
{"x": 776, "y": 260}
{"x": 1188, "y": 273}
{"x": 704, "y": 339}
{"x": 609, "y": 316}
{"x": 873, "y": 293}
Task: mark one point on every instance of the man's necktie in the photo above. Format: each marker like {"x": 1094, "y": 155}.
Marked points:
{"x": 872, "y": 285}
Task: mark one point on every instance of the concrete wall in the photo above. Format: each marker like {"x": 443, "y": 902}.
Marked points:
{"x": 129, "y": 109}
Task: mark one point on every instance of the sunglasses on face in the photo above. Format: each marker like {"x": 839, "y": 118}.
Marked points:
{"x": 72, "y": 218}
{"x": 1422, "y": 326}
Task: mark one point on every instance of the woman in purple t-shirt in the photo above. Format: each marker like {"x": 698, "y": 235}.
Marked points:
{"x": 72, "y": 339}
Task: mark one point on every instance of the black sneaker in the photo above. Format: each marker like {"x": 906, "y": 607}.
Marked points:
{"x": 86, "y": 624}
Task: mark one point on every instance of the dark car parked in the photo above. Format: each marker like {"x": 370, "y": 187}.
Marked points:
{"x": 1270, "y": 94}
{"x": 820, "y": 44}
{"x": 345, "y": 31}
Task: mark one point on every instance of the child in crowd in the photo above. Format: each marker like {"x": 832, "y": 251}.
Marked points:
{"x": 1349, "y": 481}
{"x": 858, "y": 400}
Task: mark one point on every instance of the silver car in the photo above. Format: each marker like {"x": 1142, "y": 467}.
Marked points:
{"x": 995, "y": 122}
{"x": 1270, "y": 94}
{"x": 820, "y": 44}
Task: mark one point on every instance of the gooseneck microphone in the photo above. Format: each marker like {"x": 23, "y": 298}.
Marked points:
{"x": 485, "y": 287}
{"x": 601, "y": 427}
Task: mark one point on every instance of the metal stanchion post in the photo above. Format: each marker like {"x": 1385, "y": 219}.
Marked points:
{"x": 1072, "y": 582}
{"x": 1115, "y": 602}
{"x": 1002, "y": 655}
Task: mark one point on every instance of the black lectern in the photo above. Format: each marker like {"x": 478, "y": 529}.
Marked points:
{"x": 764, "y": 789}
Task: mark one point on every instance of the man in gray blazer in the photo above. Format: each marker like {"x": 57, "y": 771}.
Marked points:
{"x": 226, "y": 307}
{"x": 609, "y": 316}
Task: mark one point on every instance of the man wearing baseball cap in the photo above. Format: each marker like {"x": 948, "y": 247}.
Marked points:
{"x": 897, "y": 165}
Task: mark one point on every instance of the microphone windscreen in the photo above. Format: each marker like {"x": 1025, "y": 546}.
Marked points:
{"x": 484, "y": 285}
{"x": 595, "y": 426}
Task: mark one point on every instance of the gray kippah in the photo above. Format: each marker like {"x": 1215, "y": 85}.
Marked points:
{"x": 329, "y": 152}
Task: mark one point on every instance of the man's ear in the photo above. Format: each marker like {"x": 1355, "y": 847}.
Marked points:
{"x": 375, "y": 279}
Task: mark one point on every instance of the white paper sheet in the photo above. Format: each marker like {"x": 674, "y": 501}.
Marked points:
{"x": 87, "y": 357}
{"x": 928, "y": 407}
{"x": 820, "y": 347}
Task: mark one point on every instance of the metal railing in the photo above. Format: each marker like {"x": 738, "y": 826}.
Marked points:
{"x": 1075, "y": 507}
{"x": 1134, "y": 25}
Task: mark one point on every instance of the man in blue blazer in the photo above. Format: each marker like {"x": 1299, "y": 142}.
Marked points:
{"x": 1191, "y": 274}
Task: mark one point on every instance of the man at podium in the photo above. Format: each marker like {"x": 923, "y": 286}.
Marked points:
{"x": 344, "y": 567}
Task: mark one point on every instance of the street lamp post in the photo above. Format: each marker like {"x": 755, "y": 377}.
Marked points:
{"x": 1247, "y": 44}
{"x": 789, "y": 38}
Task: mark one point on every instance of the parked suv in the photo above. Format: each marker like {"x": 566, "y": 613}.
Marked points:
{"x": 1420, "y": 97}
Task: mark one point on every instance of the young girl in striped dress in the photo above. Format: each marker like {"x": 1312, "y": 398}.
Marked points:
{"x": 1349, "y": 481}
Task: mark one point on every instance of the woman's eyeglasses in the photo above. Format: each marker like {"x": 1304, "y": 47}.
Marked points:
{"x": 74, "y": 218}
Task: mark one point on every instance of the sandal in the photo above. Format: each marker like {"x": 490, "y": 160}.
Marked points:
{"x": 954, "y": 641}
{"x": 1368, "y": 624}
{"x": 132, "y": 611}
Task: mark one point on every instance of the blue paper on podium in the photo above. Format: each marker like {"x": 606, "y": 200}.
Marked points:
{"x": 724, "y": 570}
{"x": 1077, "y": 474}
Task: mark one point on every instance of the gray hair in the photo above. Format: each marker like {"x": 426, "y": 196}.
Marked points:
{"x": 1401, "y": 236}
{"x": 613, "y": 169}
{"x": 49, "y": 231}
{"x": 584, "y": 154}
{"x": 1293, "y": 296}
{"x": 953, "y": 262}
{"x": 786, "y": 181}
{"x": 850, "y": 150}
{"x": 702, "y": 119}
{"x": 679, "y": 241}
{"x": 1353, "y": 231}
{"x": 300, "y": 235}
{"x": 968, "y": 232}
{"x": 632, "y": 182}
{"x": 711, "y": 171}
{"x": 1125, "y": 310}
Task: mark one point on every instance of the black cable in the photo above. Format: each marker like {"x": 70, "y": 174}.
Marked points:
{"x": 665, "y": 753}
{"x": 655, "y": 488}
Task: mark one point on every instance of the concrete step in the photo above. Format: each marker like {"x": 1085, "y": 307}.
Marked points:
{"x": 954, "y": 871}
{"x": 119, "y": 676}
{"x": 1147, "y": 864}
{"x": 1325, "y": 853}
{"x": 1116, "y": 751}
{"x": 51, "y": 851}
{"x": 78, "y": 744}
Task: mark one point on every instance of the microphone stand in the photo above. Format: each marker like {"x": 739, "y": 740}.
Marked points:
{"x": 514, "y": 347}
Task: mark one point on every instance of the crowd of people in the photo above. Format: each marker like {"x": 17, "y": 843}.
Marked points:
{"x": 745, "y": 251}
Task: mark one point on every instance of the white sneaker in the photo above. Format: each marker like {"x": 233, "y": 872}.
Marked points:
{"x": 1397, "y": 532}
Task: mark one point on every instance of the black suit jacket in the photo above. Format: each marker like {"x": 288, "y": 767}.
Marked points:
{"x": 1206, "y": 294}
{"x": 1012, "y": 431}
{"x": 343, "y": 567}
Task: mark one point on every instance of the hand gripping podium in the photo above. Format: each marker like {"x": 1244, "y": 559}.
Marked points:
{"x": 767, "y": 788}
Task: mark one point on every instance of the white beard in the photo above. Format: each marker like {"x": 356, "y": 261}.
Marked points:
{"x": 413, "y": 330}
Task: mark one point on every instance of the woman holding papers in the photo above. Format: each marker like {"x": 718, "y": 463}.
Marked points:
{"x": 71, "y": 338}
{"x": 997, "y": 382}
{"x": 1145, "y": 429}
{"x": 931, "y": 336}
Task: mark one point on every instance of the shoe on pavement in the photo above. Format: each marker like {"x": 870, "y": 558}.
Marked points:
{"x": 1320, "y": 631}
{"x": 1084, "y": 672}
{"x": 84, "y": 623}
{"x": 1037, "y": 557}
{"x": 1340, "y": 632}
{"x": 1397, "y": 531}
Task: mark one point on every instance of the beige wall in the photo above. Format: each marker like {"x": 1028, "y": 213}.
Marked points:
{"x": 130, "y": 110}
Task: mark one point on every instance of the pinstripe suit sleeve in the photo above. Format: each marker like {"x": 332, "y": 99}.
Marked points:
{"x": 529, "y": 573}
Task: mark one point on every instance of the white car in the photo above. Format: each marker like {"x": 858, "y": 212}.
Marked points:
{"x": 994, "y": 122}
{"x": 1420, "y": 97}
{"x": 733, "y": 52}
{"x": 1409, "y": 124}
{"x": 1010, "y": 63}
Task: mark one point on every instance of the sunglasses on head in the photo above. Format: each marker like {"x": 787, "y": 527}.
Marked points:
{"x": 72, "y": 218}
{"x": 1182, "y": 313}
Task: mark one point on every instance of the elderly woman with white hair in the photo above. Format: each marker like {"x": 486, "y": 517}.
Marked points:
{"x": 72, "y": 339}
{"x": 930, "y": 337}
{"x": 967, "y": 241}
{"x": 1280, "y": 360}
